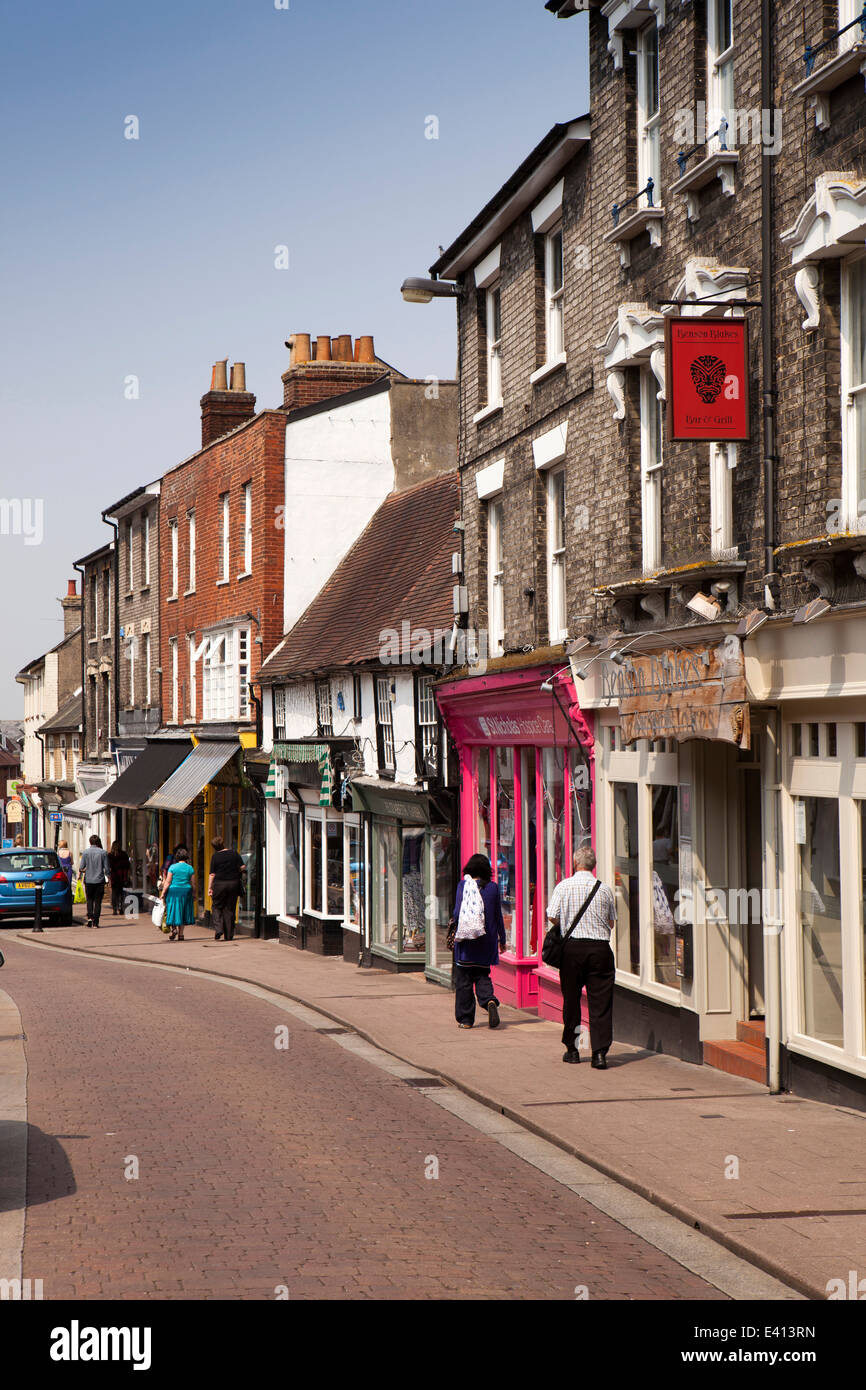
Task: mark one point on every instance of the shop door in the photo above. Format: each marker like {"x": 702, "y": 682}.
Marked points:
{"x": 752, "y": 848}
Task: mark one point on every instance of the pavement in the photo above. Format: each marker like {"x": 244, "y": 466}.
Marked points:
{"x": 778, "y": 1180}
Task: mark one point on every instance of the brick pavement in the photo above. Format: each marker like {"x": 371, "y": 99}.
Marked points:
{"x": 664, "y": 1127}
{"x": 260, "y": 1167}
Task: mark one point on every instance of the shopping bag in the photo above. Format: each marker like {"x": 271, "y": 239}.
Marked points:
{"x": 78, "y": 893}
{"x": 471, "y": 922}
{"x": 157, "y": 916}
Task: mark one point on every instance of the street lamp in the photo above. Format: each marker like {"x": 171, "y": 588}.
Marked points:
{"x": 417, "y": 290}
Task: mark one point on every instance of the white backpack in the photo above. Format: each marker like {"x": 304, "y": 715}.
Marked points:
{"x": 471, "y": 923}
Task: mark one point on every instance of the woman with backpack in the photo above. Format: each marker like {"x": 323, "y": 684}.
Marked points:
{"x": 479, "y": 932}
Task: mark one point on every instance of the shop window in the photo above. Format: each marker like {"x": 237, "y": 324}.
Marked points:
{"x": 626, "y": 876}
{"x": 385, "y": 725}
{"x": 334, "y": 886}
{"x": 506, "y": 863}
{"x": 387, "y": 903}
{"x": 665, "y": 881}
{"x": 581, "y": 816}
{"x": 315, "y": 857}
{"x": 354, "y": 870}
{"x": 414, "y": 928}
{"x": 442, "y": 851}
{"x": 531, "y": 907}
{"x": 482, "y": 783}
{"x": 820, "y": 918}
{"x": 553, "y": 812}
{"x": 861, "y": 740}
{"x": 292, "y": 824}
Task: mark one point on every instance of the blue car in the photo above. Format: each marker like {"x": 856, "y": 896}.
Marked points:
{"x": 20, "y": 871}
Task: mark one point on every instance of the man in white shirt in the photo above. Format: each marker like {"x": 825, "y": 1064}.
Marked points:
{"x": 587, "y": 958}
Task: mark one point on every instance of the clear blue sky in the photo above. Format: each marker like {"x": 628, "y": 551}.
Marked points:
{"x": 155, "y": 257}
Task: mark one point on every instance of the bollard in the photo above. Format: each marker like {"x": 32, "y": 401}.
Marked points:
{"x": 37, "y": 923}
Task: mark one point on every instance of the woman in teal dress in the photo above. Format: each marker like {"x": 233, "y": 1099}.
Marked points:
{"x": 178, "y": 890}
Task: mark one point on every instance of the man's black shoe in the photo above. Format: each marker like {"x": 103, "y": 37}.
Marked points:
{"x": 493, "y": 1014}
{"x": 599, "y": 1061}
{"x": 571, "y": 1056}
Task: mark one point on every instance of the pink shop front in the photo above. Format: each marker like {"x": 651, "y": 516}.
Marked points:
{"x": 526, "y": 781}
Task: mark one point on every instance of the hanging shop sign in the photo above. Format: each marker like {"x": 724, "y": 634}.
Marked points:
{"x": 707, "y": 378}
{"x": 698, "y": 693}
{"x": 14, "y": 811}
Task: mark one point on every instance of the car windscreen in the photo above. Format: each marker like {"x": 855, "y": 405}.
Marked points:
{"x": 28, "y": 861}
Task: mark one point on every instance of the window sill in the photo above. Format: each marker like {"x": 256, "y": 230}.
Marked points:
{"x": 92, "y": 641}
{"x": 288, "y": 921}
{"x": 245, "y": 574}
{"x": 644, "y": 220}
{"x": 172, "y": 598}
{"x": 188, "y": 592}
{"x": 721, "y": 166}
{"x": 145, "y": 589}
{"x": 324, "y": 916}
{"x": 548, "y": 368}
{"x": 221, "y": 582}
{"x": 487, "y": 412}
{"x": 130, "y": 593}
{"x": 819, "y": 85}
{"x": 381, "y": 948}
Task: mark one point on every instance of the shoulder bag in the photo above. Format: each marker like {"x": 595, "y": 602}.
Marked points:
{"x": 554, "y": 944}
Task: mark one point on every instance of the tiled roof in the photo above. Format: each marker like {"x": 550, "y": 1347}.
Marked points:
{"x": 399, "y": 570}
{"x": 69, "y": 715}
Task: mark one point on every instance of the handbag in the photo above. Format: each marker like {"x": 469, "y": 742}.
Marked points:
{"x": 157, "y": 916}
{"x": 554, "y": 944}
{"x": 471, "y": 923}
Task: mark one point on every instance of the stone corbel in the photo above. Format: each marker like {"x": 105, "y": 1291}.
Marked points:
{"x": 616, "y": 387}
{"x": 860, "y": 564}
{"x": 725, "y": 590}
{"x": 658, "y": 9}
{"x": 624, "y": 610}
{"x": 806, "y": 284}
{"x": 654, "y": 604}
{"x": 821, "y": 575}
{"x": 681, "y": 593}
{"x": 657, "y": 362}
{"x": 615, "y": 47}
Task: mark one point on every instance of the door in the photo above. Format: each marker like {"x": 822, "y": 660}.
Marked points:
{"x": 753, "y": 842}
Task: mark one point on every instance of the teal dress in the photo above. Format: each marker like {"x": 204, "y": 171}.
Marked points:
{"x": 179, "y": 904}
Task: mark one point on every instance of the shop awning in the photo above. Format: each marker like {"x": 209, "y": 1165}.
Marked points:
{"x": 198, "y": 768}
{"x": 300, "y": 752}
{"x": 385, "y": 799}
{"x": 83, "y": 808}
{"x": 150, "y": 770}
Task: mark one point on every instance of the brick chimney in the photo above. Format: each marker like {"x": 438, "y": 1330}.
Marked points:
{"x": 71, "y": 606}
{"x": 225, "y": 407}
{"x": 324, "y": 367}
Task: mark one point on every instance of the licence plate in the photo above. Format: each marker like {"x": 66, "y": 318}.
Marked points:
{"x": 23, "y": 885}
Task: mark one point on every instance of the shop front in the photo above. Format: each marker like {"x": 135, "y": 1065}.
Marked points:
{"x": 139, "y": 829}
{"x": 526, "y": 801}
{"x": 678, "y": 756}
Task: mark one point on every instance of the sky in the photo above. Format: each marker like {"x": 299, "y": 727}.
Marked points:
{"x": 128, "y": 266}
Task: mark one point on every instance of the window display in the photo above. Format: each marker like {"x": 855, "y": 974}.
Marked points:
{"x": 293, "y": 864}
{"x": 821, "y": 918}
{"x": 626, "y": 876}
{"x": 334, "y": 868}
{"x": 506, "y": 863}
{"x": 414, "y": 936}
{"x": 315, "y": 843}
{"x": 665, "y": 881}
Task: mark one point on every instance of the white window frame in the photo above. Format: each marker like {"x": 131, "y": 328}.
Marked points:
{"x": 556, "y": 591}
{"x": 853, "y": 395}
{"x": 492, "y": 297}
{"x": 849, "y": 10}
{"x": 190, "y": 521}
{"x": 225, "y": 551}
{"x": 352, "y": 821}
{"x": 132, "y": 641}
{"x": 495, "y": 578}
{"x": 248, "y": 531}
{"x": 385, "y": 723}
{"x": 324, "y": 816}
{"x": 106, "y": 576}
{"x": 129, "y": 558}
{"x": 554, "y": 300}
{"x": 145, "y": 550}
{"x": 651, "y": 465}
{"x": 279, "y": 712}
{"x": 225, "y": 658}
{"x": 146, "y": 661}
{"x": 648, "y": 122}
{"x": 427, "y": 717}
{"x": 63, "y": 756}
{"x": 324, "y": 708}
{"x": 723, "y": 461}
{"x": 192, "y": 693}
{"x": 720, "y": 77}
{"x": 173, "y": 543}
{"x": 175, "y": 684}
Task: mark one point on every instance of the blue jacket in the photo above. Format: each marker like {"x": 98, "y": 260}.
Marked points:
{"x": 484, "y": 950}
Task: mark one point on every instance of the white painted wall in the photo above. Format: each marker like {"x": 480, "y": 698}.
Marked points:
{"x": 339, "y": 470}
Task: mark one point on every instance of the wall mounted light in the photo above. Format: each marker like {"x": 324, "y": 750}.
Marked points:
{"x": 418, "y": 290}
{"x": 810, "y": 611}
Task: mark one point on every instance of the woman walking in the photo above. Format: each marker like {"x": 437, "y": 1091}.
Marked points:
{"x": 120, "y": 875}
{"x": 226, "y": 880}
{"x": 474, "y": 957}
{"x": 178, "y": 892}
{"x": 65, "y": 860}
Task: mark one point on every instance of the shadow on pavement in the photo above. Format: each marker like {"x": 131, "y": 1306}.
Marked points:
{"x": 46, "y": 1157}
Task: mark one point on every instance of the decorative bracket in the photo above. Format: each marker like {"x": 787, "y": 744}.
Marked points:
{"x": 806, "y": 285}
{"x": 821, "y": 574}
{"x": 616, "y": 387}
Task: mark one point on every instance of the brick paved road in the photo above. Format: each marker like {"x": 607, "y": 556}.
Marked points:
{"x": 260, "y": 1167}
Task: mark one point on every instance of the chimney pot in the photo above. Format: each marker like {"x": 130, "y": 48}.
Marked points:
{"x": 342, "y": 347}
{"x": 300, "y": 344}
{"x": 218, "y": 379}
{"x": 71, "y": 588}
{"x": 239, "y": 377}
{"x": 323, "y": 349}
{"x": 365, "y": 350}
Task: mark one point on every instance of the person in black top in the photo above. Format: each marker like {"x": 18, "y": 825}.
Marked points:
{"x": 227, "y": 875}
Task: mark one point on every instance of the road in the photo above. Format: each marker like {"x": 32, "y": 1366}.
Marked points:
{"x": 175, "y": 1152}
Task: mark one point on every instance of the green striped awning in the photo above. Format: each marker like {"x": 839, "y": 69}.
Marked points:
{"x": 327, "y": 779}
{"x": 300, "y": 752}
{"x": 271, "y": 784}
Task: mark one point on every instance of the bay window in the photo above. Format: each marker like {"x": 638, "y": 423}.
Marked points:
{"x": 225, "y": 674}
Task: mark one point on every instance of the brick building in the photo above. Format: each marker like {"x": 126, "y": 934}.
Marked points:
{"x": 724, "y": 177}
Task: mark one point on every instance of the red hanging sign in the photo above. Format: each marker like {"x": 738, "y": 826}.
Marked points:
{"x": 707, "y": 378}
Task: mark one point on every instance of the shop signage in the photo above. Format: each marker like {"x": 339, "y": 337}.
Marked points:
{"x": 55, "y": 816}
{"x": 699, "y": 693}
{"x": 14, "y": 811}
{"x": 707, "y": 376}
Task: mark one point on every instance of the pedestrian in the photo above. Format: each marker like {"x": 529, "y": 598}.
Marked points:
{"x": 95, "y": 870}
{"x": 19, "y": 842}
{"x": 66, "y": 860}
{"x": 120, "y": 875}
{"x": 226, "y": 881}
{"x": 178, "y": 892}
{"x": 583, "y": 909}
{"x": 473, "y": 958}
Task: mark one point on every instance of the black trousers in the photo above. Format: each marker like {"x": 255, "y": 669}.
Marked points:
{"x": 471, "y": 982}
{"x": 224, "y": 900}
{"x": 93, "y": 892}
{"x": 590, "y": 963}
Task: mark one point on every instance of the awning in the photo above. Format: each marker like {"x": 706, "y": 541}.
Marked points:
{"x": 385, "y": 799}
{"x": 198, "y": 768}
{"x": 150, "y": 770}
{"x": 300, "y": 752}
{"x": 83, "y": 808}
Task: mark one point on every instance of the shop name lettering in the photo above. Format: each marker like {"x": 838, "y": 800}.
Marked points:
{"x": 656, "y": 675}
{"x": 670, "y": 723}
{"x": 496, "y": 726}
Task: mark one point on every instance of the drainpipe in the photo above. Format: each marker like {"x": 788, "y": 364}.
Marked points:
{"x": 768, "y": 330}
{"x": 82, "y": 752}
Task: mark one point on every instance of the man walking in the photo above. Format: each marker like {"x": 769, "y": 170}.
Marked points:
{"x": 587, "y": 958}
{"x": 95, "y": 870}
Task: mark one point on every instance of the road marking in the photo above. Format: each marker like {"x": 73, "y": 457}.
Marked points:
{"x": 732, "y": 1275}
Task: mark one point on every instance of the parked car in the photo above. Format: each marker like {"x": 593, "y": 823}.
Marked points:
{"x": 20, "y": 871}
